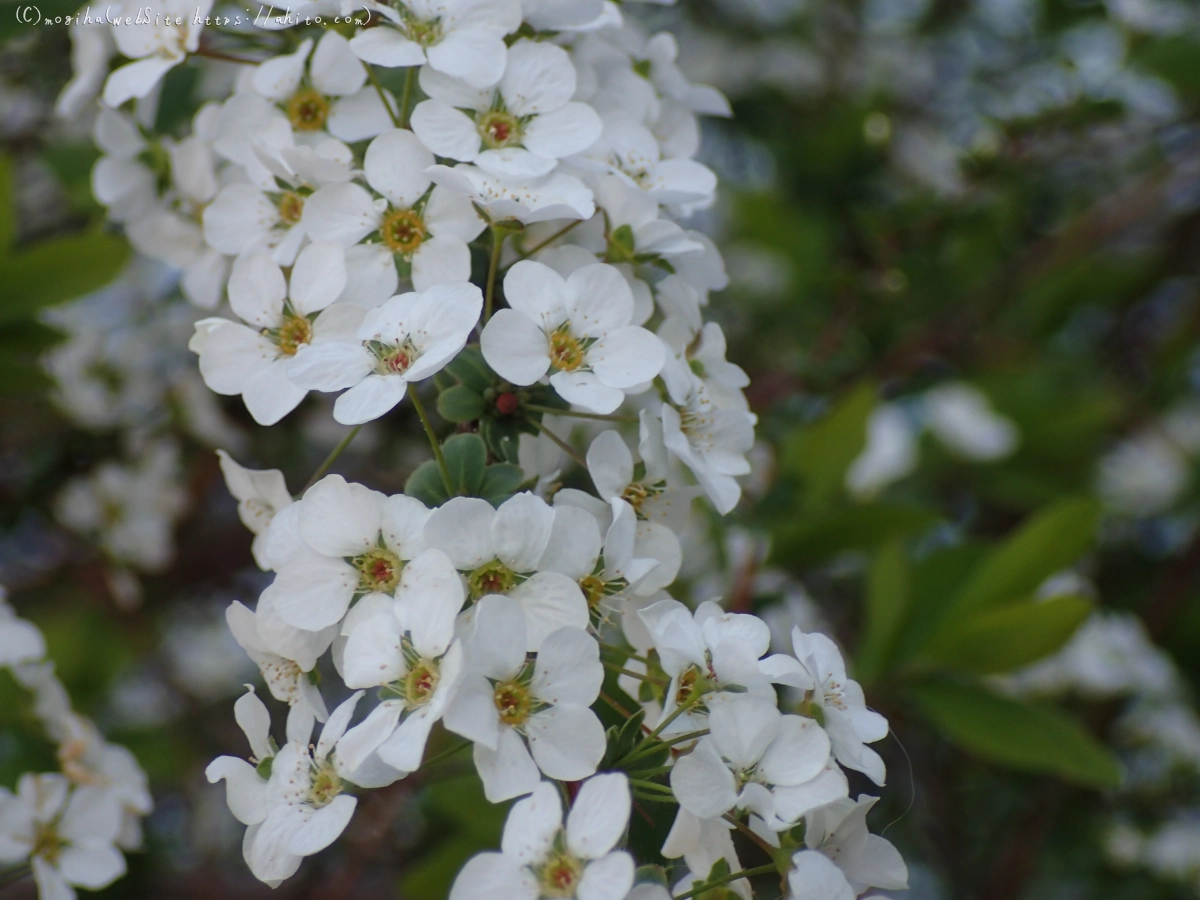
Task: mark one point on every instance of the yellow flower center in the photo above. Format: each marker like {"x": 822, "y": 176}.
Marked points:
{"x": 403, "y": 231}
{"x": 307, "y": 110}
{"x": 689, "y": 682}
{"x": 491, "y": 578}
{"x": 421, "y": 682}
{"x": 566, "y": 352}
{"x": 46, "y": 843}
{"x": 593, "y": 590}
{"x": 326, "y": 784}
{"x": 499, "y": 129}
{"x": 560, "y": 875}
{"x": 294, "y": 333}
{"x": 378, "y": 571}
{"x": 512, "y": 702}
{"x": 291, "y": 207}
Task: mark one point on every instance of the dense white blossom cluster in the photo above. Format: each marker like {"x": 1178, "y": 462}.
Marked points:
{"x": 505, "y": 215}
{"x": 71, "y": 826}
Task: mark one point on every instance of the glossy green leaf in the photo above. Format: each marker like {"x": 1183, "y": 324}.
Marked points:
{"x": 427, "y": 485}
{"x": 500, "y": 482}
{"x": 820, "y": 454}
{"x": 801, "y": 542}
{"x": 57, "y": 271}
{"x": 460, "y": 404}
{"x": 1005, "y": 639}
{"x": 470, "y": 369}
{"x": 1031, "y": 737}
{"x": 886, "y": 606}
{"x": 466, "y": 459}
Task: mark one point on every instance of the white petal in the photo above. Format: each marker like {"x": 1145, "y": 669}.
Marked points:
{"x": 608, "y": 878}
{"x": 330, "y": 365}
{"x": 496, "y": 877}
{"x": 405, "y": 748}
{"x": 341, "y": 213}
{"x": 474, "y": 55}
{"x": 318, "y": 277}
{"x": 360, "y": 116}
{"x": 568, "y": 668}
{"x": 395, "y": 166}
{"x": 586, "y": 389}
{"x": 599, "y": 815}
{"x": 815, "y": 877}
{"x": 743, "y": 728}
{"x": 231, "y": 354}
{"x": 335, "y": 69}
{"x": 550, "y": 601}
{"x": 446, "y": 131}
{"x": 441, "y": 259}
{"x": 314, "y": 591}
{"x": 532, "y": 825}
{"x": 277, "y": 78}
{"x": 245, "y": 792}
{"x": 508, "y": 771}
{"x": 373, "y": 655}
{"x": 599, "y": 300}
{"x": 574, "y": 544}
{"x": 462, "y": 528}
{"x": 340, "y": 518}
{"x": 270, "y": 395}
{"x": 374, "y": 396}
{"x": 515, "y": 347}
{"x": 539, "y": 78}
{"x": 91, "y": 865}
{"x": 702, "y": 783}
{"x": 385, "y": 46}
{"x": 238, "y": 218}
{"x": 403, "y": 526}
{"x": 521, "y": 531}
{"x": 539, "y": 292}
{"x": 137, "y": 79}
{"x": 254, "y": 720}
{"x": 365, "y": 738}
{"x": 498, "y": 637}
{"x": 798, "y": 753}
{"x": 627, "y": 357}
{"x": 437, "y": 596}
{"x": 325, "y": 827}
{"x": 566, "y": 741}
{"x": 563, "y": 132}
{"x": 256, "y": 289}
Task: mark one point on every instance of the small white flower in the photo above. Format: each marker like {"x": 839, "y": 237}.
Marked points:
{"x": 428, "y": 229}
{"x": 68, "y": 836}
{"x": 653, "y": 497}
{"x": 542, "y": 857}
{"x": 407, "y": 339}
{"x": 845, "y": 716}
{"x": 890, "y": 453}
{"x": 962, "y": 418}
{"x": 577, "y": 329}
{"x": 261, "y": 495}
{"x": 519, "y": 130}
{"x": 499, "y": 551}
{"x": 462, "y": 38}
{"x": 262, "y": 634}
{"x": 839, "y": 831}
{"x": 283, "y": 316}
{"x": 505, "y": 701}
{"x": 155, "y": 46}
{"x": 245, "y": 782}
{"x": 20, "y": 641}
{"x": 528, "y": 200}
{"x": 355, "y": 542}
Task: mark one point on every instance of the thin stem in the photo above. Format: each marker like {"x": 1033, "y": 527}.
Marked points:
{"x": 684, "y": 738}
{"x": 493, "y": 266}
{"x": 445, "y": 754}
{"x": 628, "y": 654}
{"x": 433, "y": 438}
{"x": 654, "y": 798}
{"x": 382, "y": 95}
{"x": 406, "y": 103}
{"x": 748, "y": 832}
{"x": 644, "y": 748}
{"x": 616, "y": 707}
{"x": 332, "y": 458}
{"x": 643, "y": 785}
{"x": 727, "y": 879}
{"x": 563, "y": 445}
{"x": 574, "y": 414}
{"x": 640, "y": 676}
{"x": 525, "y": 254}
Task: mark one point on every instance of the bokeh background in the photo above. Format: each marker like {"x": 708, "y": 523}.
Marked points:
{"x": 963, "y": 243}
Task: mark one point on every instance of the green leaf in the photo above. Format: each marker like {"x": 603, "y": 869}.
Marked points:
{"x": 1027, "y": 736}
{"x": 460, "y": 404}
{"x": 1053, "y": 539}
{"x": 58, "y": 271}
{"x": 805, "y": 541}
{"x": 470, "y": 369}
{"x": 426, "y": 484}
{"x": 622, "y": 738}
{"x": 502, "y": 436}
{"x": 1005, "y": 639}
{"x": 886, "y": 607}
{"x": 22, "y": 379}
{"x": 27, "y": 339}
{"x": 820, "y": 454}
{"x": 8, "y": 207}
{"x": 466, "y": 460}
{"x": 500, "y": 482}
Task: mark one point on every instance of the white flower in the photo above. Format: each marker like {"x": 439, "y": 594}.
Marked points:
{"x": 260, "y": 635}
{"x": 334, "y": 95}
{"x": 505, "y": 701}
{"x": 120, "y": 180}
{"x": 653, "y": 497}
{"x": 845, "y": 716}
{"x": 710, "y": 440}
{"x": 20, "y": 641}
{"x": 1143, "y": 475}
{"x": 406, "y": 647}
{"x": 814, "y": 876}
{"x": 701, "y": 843}
{"x": 528, "y": 200}
{"x": 755, "y": 758}
{"x": 91, "y": 49}
{"x": 69, "y": 840}
{"x": 962, "y": 419}
{"x": 261, "y": 495}
{"x": 245, "y": 782}
{"x": 890, "y": 453}
{"x": 499, "y": 551}
{"x": 519, "y": 130}
{"x": 429, "y": 229}
{"x": 577, "y": 329}
{"x": 306, "y": 801}
{"x": 282, "y": 316}
{"x": 462, "y": 38}
{"x": 839, "y": 831}
{"x": 356, "y": 542}
{"x": 407, "y": 339}
{"x": 540, "y": 857}
{"x": 157, "y": 46}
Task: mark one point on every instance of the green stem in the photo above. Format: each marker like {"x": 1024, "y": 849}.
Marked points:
{"x": 570, "y": 413}
{"x": 331, "y": 458}
{"x": 726, "y": 879}
{"x": 643, "y": 785}
{"x": 684, "y": 738}
{"x": 615, "y": 706}
{"x": 628, "y": 654}
{"x": 563, "y": 445}
{"x": 749, "y": 833}
{"x": 644, "y": 797}
{"x": 382, "y": 95}
{"x": 445, "y": 754}
{"x": 406, "y": 103}
{"x": 525, "y": 254}
{"x": 493, "y": 266}
{"x": 433, "y": 438}
{"x": 644, "y": 747}
{"x": 640, "y": 676}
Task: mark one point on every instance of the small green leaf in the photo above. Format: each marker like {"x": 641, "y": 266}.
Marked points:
{"x": 886, "y": 607}
{"x": 426, "y": 484}
{"x": 460, "y": 404}
{"x": 57, "y": 271}
{"x": 470, "y": 369}
{"x": 466, "y": 460}
{"x": 1004, "y": 639}
{"x": 802, "y": 542}
{"x": 820, "y": 454}
{"x": 1047, "y": 543}
{"x": 500, "y": 482}
{"x": 1027, "y": 736}
{"x": 622, "y": 738}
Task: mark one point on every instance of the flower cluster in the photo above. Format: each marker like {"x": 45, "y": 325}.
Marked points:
{"x": 69, "y": 827}
{"x": 499, "y": 219}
